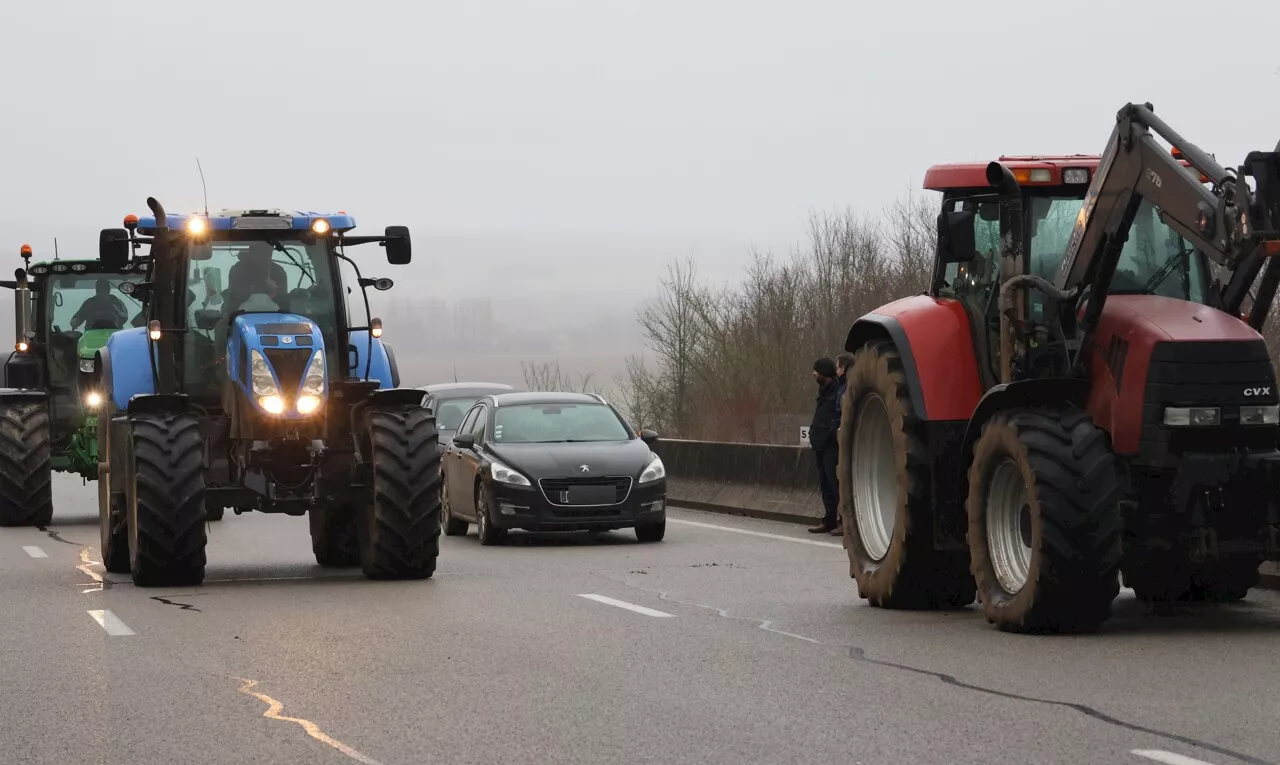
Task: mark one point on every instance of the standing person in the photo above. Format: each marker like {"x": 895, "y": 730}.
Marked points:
{"x": 822, "y": 439}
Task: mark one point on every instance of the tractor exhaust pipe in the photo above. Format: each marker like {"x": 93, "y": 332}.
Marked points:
{"x": 1002, "y": 180}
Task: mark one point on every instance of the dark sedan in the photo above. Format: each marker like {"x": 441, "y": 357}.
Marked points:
{"x": 551, "y": 462}
{"x": 450, "y": 402}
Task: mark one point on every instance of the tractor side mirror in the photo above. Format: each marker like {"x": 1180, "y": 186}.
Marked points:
{"x": 113, "y": 248}
{"x": 956, "y": 242}
{"x": 399, "y": 251}
{"x": 207, "y": 319}
{"x": 136, "y": 290}
{"x": 650, "y": 437}
{"x": 464, "y": 441}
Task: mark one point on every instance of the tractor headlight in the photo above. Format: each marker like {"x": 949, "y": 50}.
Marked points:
{"x": 313, "y": 378}
{"x": 1193, "y": 417}
{"x": 308, "y": 403}
{"x": 86, "y": 365}
{"x": 272, "y": 404}
{"x": 93, "y": 400}
{"x": 1260, "y": 415}
{"x": 264, "y": 384}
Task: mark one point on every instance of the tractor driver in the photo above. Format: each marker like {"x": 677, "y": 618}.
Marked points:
{"x": 256, "y": 274}
{"x": 101, "y": 311}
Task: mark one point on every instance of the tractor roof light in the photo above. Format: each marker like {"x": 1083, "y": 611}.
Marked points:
{"x": 25, "y": 251}
{"x": 1075, "y": 175}
{"x": 320, "y": 226}
{"x": 1025, "y": 175}
{"x": 131, "y": 221}
{"x": 21, "y": 346}
{"x": 197, "y": 226}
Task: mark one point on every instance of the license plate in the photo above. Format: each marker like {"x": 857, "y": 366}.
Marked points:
{"x": 592, "y": 495}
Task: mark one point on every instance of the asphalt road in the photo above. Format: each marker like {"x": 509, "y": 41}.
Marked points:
{"x": 732, "y": 641}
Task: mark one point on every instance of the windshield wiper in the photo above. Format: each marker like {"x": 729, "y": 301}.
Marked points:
{"x": 1159, "y": 276}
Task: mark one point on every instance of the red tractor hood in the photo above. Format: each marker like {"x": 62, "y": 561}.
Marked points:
{"x": 1177, "y": 319}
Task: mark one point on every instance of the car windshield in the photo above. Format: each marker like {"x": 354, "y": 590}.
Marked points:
{"x": 1156, "y": 260}
{"x": 557, "y": 423}
{"x": 450, "y": 411}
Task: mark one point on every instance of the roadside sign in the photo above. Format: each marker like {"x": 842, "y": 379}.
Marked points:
{"x": 804, "y": 435}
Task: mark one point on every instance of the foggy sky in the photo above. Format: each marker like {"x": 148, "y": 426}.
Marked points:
{"x": 572, "y": 148}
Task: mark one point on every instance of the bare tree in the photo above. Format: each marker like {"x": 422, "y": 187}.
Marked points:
{"x": 548, "y": 377}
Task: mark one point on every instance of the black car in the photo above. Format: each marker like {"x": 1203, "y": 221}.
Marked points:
{"x": 551, "y": 462}
{"x": 450, "y": 402}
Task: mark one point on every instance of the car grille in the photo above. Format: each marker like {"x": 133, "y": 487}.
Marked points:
{"x": 1207, "y": 374}
{"x": 559, "y": 491}
{"x": 289, "y": 364}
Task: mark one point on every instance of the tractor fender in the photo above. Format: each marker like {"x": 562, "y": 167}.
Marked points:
{"x": 383, "y": 399}
{"x": 381, "y": 368}
{"x": 1044, "y": 391}
{"x": 26, "y": 394}
{"x": 391, "y": 359}
{"x": 934, "y": 341}
{"x": 128, "y": 372}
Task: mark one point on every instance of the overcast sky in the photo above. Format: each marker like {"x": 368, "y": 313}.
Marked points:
{"x": 629, "y": 132}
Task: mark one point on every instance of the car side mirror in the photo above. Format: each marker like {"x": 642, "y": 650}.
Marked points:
{"x": 464, "y": 441}
{"x": 399, "y": 251}
{"x": 956, "y": 242}
{"x": 113, "y": 248}
{"x": 648, "y": 436}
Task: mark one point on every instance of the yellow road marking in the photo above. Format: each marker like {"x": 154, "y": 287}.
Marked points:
{"x": 274, "y": 709}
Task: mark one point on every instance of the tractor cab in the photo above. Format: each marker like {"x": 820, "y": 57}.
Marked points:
{"x": 1155, "y": 259}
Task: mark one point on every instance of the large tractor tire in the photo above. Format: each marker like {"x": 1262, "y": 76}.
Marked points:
{"x": 333, "y": 536}
{"x": 885, "y": 476}
{"x": 113, "y": 531}
{"x": 399, "y": 528}
{"x": 1045, "y": 527}
{"x": 164, "y": 500}
{"x": 26, "y": 487}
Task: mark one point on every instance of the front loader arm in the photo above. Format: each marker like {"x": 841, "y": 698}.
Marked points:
{"x": 1135, "y": 168}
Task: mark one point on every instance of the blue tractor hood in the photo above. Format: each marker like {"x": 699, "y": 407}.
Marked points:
{"x": 288, "y": 343}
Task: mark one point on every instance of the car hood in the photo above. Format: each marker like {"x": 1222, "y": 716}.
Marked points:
{"x": 566, "y": 460}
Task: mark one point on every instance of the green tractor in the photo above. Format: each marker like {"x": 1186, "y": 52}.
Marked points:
{"x": 64, "y": 312}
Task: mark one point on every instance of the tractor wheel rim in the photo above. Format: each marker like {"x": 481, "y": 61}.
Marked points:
{"x": 875, "y": 477}
{"x": 1008, "y": 511}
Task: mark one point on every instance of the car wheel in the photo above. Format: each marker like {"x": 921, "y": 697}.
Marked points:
{"x": 651, "y": 532}
{"x": 453, "y": 527}
{"x": 489, "y": 533}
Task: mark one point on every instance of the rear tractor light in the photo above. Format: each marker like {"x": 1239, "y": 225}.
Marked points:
{"x": 1075, "y": 175}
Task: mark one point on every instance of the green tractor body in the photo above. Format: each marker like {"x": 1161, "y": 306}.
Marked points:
{"x": 64, "y": 313}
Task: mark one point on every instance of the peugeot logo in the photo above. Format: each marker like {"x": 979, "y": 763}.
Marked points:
{"x": 584, "y": 469}
{"x": 1257, "y": 391}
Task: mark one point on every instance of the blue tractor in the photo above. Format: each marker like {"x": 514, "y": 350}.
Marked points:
{"x": 260, "y": 382}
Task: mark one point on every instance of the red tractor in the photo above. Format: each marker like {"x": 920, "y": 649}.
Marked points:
{"x": 1078, "y": 397}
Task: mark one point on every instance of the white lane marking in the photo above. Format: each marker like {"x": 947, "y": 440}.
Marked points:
{"x": 765, "y": 534}
{"x": 35, "y": 552}
{"x": 111, "y": 623}
{"x": 1169, "y": 758}
{"x": 626, "y": 605}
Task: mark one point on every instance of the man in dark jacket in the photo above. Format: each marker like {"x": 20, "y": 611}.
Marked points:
{"x": 822, "y": 439}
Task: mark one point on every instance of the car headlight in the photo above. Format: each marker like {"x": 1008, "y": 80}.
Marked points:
{"x": 313, "y": 378}
{"x": 86, "y": 365}
{"x": 653, "y": 471}
{"x": 503, "y": 474}
{"x": 264, "y": 384}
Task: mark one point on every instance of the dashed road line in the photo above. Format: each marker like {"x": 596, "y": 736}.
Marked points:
{"x": 111, "y": 623}
{"x": 274, "y": 708}
{"x": 628, "y": 606}
{"x": 1169, "y": 758}
{"x": 34, "y": 551}
{"x": 765, "y": 534}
